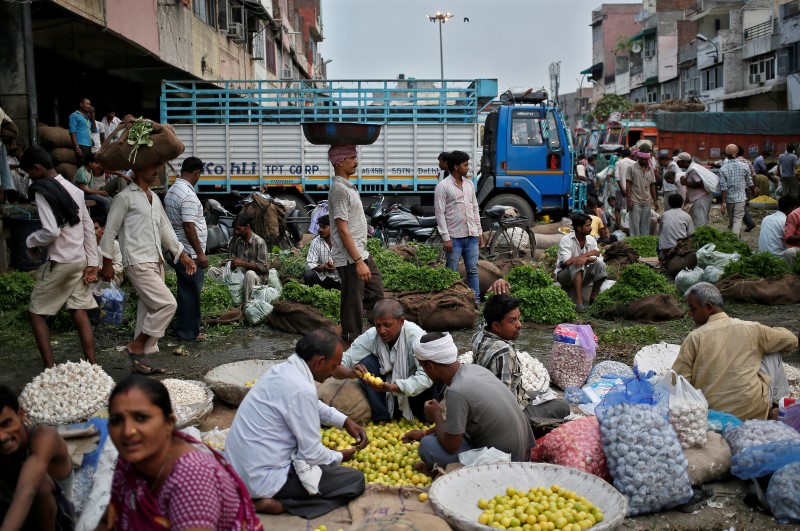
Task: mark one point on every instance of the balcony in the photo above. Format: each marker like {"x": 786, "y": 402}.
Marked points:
{"x": 770, "y": 27}
{"x": 316, "y": 29}
{"x": 761, "y": 39}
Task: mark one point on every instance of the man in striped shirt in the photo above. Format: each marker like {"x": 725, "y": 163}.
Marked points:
{"x": 319, "y": 261}
{"x": 734, "y": 183}
{"x": 458, "y": 219}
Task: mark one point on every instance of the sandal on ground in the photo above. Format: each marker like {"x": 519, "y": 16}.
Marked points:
{"x": 140, "y": 364}
{"x": 580, "y": 308}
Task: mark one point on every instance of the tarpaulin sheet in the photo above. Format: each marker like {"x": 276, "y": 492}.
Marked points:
{"x": 757, "y": 123}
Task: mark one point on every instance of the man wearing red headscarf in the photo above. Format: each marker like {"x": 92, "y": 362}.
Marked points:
{"x": 361, "y": 281}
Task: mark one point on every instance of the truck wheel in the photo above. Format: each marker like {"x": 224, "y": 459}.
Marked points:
{"x": 523, "y": 207}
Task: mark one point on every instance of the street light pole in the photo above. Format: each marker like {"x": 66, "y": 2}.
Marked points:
{"x": 441, "y": 18}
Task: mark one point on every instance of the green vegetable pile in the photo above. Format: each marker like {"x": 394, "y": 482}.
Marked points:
{"x": 639, "y": 335}
{"x": 541, "y": 301}
{"x": 634, "y": 282}
{"x": 293, "y": 266}
{"x": 327, "y": 301}
{"x": 644, "y": 245}
{"x": 15, "y": 291}
{"x": 761, "y": 265}
{"x": 426, "y": 253}
{"x": 399, "y": 275}
{"x": 138, "y": 136}
{"x": 552, "y": 251}
{"x": 724, "y": 241}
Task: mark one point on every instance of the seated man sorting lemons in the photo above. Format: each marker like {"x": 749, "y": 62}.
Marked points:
{"x": 481, "y": 411}
{"x": 383, "y": 358}
{"x": 492, "y": 348}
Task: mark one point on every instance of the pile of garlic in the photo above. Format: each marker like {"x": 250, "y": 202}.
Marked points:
{"x": 184, "y": 393}
{"x": 645, "y": 460}
{"x": 756, "y": 432}
{"x": 782, "y": 494}
{"x": 535, "y": 377}
{"x": 690, "y": 422}
{"x": 569, "y": 365}
{"x": 69, "y": 392}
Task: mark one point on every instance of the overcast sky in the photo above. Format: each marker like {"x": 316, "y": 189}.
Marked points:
{"x": 511, "y": 40}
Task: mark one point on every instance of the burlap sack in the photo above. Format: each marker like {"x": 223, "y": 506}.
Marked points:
{"x": 652, "y": 309}
{"x": 67, "y": 171}
{"x": 115, "y": 154}
{"x": 680, "y": 257}
{"x": 545, "y": 241}
{"x": 620, "y": 254}
{"x": 773, "y": 291}
{"x": 550, "y": 228}
{"x": 487, "y": 274}
{"x": 268, "y": 219}
{"x": 711, "y": 462}
{"x": 505, "y": 265}
{"x": 296, "y": 318}
{"x": 63, "y": 156}
{"x": 347, "y": 396}
{"x": 450, "y": 309}
{"x": 387, "y": 508}
{"x": 54, "y": 137}
{"x": 406, "y": 252}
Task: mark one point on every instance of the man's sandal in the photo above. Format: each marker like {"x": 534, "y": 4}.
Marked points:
{"x": 140, "y": 364}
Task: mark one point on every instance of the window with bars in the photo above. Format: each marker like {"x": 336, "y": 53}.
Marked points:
{"x": 762, "y": 70}
{"x": 270, "y": 52}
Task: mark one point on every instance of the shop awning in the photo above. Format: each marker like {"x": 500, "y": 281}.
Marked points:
{"x": 644, "y": 33}
{"x": 752, "y": 92}
{"x": 594, "y": 71}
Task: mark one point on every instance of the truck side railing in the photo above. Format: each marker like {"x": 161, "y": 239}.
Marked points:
{"x": 296, "y": 101}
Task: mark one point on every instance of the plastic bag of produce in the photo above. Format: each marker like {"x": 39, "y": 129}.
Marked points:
{"x": 644, "y": 457}
{"x": 764, "y": 459}
{"x": 609, "y": 369}
{"x": 111, "y": 300}
{"x": 782, "y": 495}
{"x": 719, "y": 421}
{"x": 757, "y": 432}
{"x": 707, "y": 256}
{"x": 576, "y": 395}
{"x": 688, "y": 412}
{"x": 688, "y": 278}
{"x": 265, "y": 293}
{"x": 574, "y": 349}
{"x": 274, "y": 281}
{"x": 575, "y": 444}
{"x": 257, "y": 310}
{"x": 709, "y": 178}
{"x": 234, "y": 280}
{"x": 713, "y": 274}
{"x": 791, "y": 417}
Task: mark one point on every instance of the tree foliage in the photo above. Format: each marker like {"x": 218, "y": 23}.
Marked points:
{"x": 609, "y": 103}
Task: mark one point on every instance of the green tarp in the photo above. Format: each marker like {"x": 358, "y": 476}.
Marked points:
{"x": 756, "y": 123}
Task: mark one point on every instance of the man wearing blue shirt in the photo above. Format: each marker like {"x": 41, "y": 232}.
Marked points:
{"x": 80, "y": 130}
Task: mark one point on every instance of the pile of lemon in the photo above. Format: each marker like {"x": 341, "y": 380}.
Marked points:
{"x": 374, "y": 380}
{"x": 324, "y": 528}
{"x": 763, "y": 199}
{"x": 250, "y": 383}
{"x": 386, "y": 459}
{"x": 539, "y": 509}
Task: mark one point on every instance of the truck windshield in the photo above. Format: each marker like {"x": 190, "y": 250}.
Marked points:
{"x": 552, "y": 127}
{"x": 613, "y": 135}
{"x": 526, "y": 131}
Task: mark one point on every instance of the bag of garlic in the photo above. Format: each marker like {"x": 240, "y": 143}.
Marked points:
{"x": 782, "y": 494}
{"x": 764, "y": 459}
{"x": 575, "y": 444}
{"x": 688, "y": 411}
{"x": 755, "y": 432}
{"x": 572, "y": 355}
{"x": 644, "y": 457}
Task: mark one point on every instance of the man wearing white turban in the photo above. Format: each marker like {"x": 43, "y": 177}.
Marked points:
{"x": 481, "y": 411}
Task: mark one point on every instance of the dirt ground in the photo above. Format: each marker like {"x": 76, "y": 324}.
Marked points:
{"x": 19, "y": 363}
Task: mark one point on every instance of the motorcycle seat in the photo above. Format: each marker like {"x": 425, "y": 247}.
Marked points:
{"x": 496, "y": 212}
{"x": 427, "y": 221}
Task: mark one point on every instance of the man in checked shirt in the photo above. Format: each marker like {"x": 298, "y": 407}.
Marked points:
{"x": 735, "y": 182}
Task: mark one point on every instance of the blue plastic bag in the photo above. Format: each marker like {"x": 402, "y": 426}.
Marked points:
{"x": 576, "y": 395}
{"x": 636, "y": 390}
{"x": 764, "y": 459}
{"x": 110, "y": 303}
{"x": 719, "y": 421}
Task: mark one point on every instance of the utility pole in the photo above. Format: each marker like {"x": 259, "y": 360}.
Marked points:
{"x": 441, "y": 18}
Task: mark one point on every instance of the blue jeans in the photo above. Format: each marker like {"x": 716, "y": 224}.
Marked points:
{"x": 102, "y": 200}
{"x": 187, "y": 316}
{"x": 468, "y": 248}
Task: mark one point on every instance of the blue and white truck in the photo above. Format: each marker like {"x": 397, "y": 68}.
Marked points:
{"x": 250, "y": 136}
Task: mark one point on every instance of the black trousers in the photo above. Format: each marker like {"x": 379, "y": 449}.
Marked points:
{"x": 187, "y": 316}
{"x": 310, "y": 278}
{"x": 358, "y": 296}
{"x": 337, "y": 487}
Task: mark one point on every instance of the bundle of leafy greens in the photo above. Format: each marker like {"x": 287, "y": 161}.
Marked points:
{"x": 635, "y": 282}
{"x": 327, "y": 301}
{"x": 541, "y": 301}
{"x": 761, "y": 265}
{"x": 399, "y": 275}
{"x": 644, "y": 245}
{"x": 724, "y": 241}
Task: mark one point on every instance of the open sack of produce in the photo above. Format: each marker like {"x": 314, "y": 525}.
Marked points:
{"x": 772, "y": 291}
{"x": 192, "y": 401}
{"x": 640, "y": 294}
{"x": 643, "y": 453}
{"x": 304, "y": 308}
{"x": 574, "y": 350}
{"x": 576, "y": 444}
{"x": 138, "y": 143}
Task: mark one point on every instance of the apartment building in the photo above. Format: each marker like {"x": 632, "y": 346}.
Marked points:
{"x": 119, "y": 51}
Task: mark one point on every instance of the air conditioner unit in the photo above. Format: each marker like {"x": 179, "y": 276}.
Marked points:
{"x": 691, "y": 93}
{"x": 235, "y": 31}
{"x": 755, "y": 78}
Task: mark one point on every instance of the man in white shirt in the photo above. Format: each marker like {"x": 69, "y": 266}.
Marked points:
{"x": 68, "y": 233}
{"x": 319, "y": 260}
{"x": 110, "y": 121}
{"x": 771, "y": 238}
{"x": 143, "y": 228}
{"x": 579, "y": 261}
{"x": 385, "y": 350}
{"x": 185, "y": 214}
{"x": 675, "y": 224}
{"x": 275, "y": 443}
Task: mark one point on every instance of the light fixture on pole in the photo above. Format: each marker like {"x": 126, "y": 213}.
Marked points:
{"x": 703, "y": 38}
{"x": 441, "y": 18}
{"x": 320, "y": 67}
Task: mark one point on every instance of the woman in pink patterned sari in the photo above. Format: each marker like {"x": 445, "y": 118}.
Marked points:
{"x": 165, "y": 479}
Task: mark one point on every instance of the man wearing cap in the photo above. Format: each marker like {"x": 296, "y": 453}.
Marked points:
{"x": 696, "y": 192}
{"x": 481, "y": 410}
{"x": 735, "y": 182}
{"x": 641, "y": 188}
{"x": 361, "y": 281}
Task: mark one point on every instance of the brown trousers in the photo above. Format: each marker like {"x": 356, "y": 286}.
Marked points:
{"x": 358, "y": 296}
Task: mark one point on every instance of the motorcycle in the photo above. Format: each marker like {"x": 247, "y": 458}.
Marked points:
{"x": 219, "y": 223}
{"x": 395, "y": 224}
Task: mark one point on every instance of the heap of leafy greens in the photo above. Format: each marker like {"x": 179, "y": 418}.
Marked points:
{"x": 327, "y": 301}
{"x": 634, "y": 282}
{"x": 761, "y": 265}
{"x": 644, "y": 245}
{"x": 541, "y": 301}
{"x": 724, "y": 241}
{"x": 399, "y": 275}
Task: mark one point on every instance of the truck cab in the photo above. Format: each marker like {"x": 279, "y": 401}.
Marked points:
{"x": 626, "y": 129}
{"x": 527, "y": 156}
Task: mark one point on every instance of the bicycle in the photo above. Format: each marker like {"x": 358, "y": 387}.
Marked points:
{"x": 510, "y": 237}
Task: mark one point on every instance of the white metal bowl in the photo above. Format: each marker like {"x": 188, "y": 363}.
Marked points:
{"x": 228, "y": 381}
{"x": 455, "y": 495}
